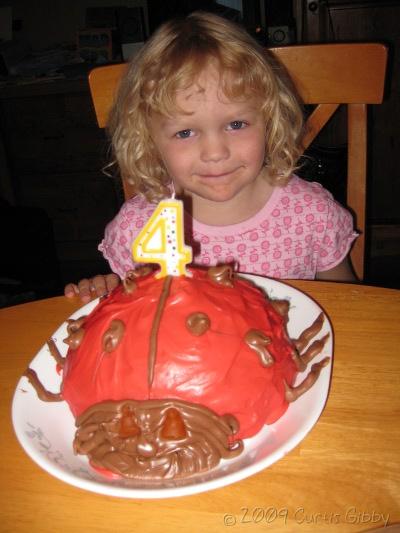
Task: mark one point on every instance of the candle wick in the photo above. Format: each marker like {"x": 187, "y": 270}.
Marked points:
{"x": 173, "y": 191}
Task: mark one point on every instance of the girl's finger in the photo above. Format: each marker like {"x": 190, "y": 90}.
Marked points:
{"x": 112, "y": 281}
{"x": 84, "y": 290}
{"x": 98, "y": 285}
{"x": 71, "y": 290}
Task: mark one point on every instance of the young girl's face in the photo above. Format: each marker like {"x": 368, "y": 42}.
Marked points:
{"x": 215, "y": 149}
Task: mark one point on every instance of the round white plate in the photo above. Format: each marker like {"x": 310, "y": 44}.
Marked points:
{"x": 46, "y": 430}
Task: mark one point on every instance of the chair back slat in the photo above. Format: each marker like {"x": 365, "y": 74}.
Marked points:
{"x": 336, "y": 73}
{"x": 316, "y": 121}
{"x": 357, "y": 179}
{"x": 103, "y": 83}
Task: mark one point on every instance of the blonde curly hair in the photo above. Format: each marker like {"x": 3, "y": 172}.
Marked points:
{"x": 171, "y": 60}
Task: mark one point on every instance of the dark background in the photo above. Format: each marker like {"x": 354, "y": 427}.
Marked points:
{"x": 54, "y": 199}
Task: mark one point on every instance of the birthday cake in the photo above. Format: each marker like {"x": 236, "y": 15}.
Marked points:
{"x": 167, "y": 376}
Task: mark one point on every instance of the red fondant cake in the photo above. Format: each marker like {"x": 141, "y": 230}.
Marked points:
{"x": 160, "y": 362}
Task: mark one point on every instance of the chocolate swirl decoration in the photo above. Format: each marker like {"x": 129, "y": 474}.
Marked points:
{"x": 198, "y": 323}
{"x": 222, "y": 274}
{"x": 155, "y": 439}
{"x": 258, "y": 341}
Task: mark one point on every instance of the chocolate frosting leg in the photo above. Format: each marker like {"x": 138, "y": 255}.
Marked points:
{"x": 43, "y": 394}
{"x": 59, "y": 359}
{"x": 292, "y": 393}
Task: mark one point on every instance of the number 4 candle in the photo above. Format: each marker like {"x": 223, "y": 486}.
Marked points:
{"x": 162, "y": 240}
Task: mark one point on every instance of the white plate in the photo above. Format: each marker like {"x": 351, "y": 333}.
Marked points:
{"x": 46, "y": 430}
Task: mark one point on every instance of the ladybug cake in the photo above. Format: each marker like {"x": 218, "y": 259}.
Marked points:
{"x": 167, "y": 376}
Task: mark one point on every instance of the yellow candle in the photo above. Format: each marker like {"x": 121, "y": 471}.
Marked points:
{"x": 162, "y": 240}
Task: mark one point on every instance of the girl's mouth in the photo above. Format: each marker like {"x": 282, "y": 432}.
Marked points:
{"x": 217, "y": 175}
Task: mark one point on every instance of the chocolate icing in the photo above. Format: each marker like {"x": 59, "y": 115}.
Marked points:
{"x": 314, "y": 349}
{"x": 298, "y": 360}
{"x": 173, "y": 427}
{"x": 43, "y": 394}
{"x": 168, "y": 438}
{"x": 113, "y": 335}
{"x": 129, "y": 282}
{"x": 222, "y": 274}
{"x": 75, "y": 324}
{"x": 292, "y": 393}
{"x": 75, "y": 332}
{"x": 309, "y": 333}
{"x": 155, "y": 326}
{"x": 198, "y": 323}
{"x": 127, "y": 424}
{"x": 301, "y": 360}
{"x": 258, "y": 341}
{"x": 165, "y": 438}
{"x": 60, "y": 360}
{"x": 75, "y": 338}
{"x": 282, "y": 306}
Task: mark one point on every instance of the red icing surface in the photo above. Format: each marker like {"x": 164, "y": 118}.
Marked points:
{"x": 216, "y": 369}
{"x": 105, "y": 472}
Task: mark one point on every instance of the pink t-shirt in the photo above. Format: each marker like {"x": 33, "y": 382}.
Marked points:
{"x": 300, "y": 231}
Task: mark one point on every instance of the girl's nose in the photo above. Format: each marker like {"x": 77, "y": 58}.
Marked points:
{"x": 214, "y": 148}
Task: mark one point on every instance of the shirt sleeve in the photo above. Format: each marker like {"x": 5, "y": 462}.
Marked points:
{"x": 120, "y": 233}
{"x": 338, "y": 237}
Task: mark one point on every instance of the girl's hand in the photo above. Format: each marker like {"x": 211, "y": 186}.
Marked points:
{"x": 95, "y": 287}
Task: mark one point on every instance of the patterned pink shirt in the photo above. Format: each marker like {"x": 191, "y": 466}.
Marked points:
{"x": 300, "y": 231}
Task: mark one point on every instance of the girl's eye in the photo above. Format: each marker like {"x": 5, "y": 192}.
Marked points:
{"x": 184, "y": 134}
{"x": 236, "y": 125}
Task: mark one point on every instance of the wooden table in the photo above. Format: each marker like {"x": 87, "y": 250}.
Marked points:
{"x": 344, "y": 476}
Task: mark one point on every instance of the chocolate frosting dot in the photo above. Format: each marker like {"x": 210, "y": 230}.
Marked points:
{"x": 258, "y": 341}
{"x": 198, "y": 323}
{"x": 113, "y": 335}
{"x": 222, "y": 274}
{"x": 129, "y": 282}
{"x": 75, "y": 338}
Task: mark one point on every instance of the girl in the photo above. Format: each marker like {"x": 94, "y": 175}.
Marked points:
{"x": 204, "y": 112}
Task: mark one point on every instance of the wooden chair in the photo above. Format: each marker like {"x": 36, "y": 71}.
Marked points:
{"x": 327, "y": 75}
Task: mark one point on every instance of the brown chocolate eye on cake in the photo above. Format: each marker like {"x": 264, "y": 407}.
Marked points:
{"x": 166, "y": 377}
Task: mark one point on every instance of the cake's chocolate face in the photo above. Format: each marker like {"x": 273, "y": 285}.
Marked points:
{"x": 166, "y": 376}
{"x": 155, "y": 438}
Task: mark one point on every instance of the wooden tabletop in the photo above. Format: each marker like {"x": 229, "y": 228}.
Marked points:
{"x": 344, "y": 476}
